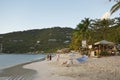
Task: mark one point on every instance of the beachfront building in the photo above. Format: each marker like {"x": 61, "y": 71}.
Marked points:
{"x": 104, "y": 48}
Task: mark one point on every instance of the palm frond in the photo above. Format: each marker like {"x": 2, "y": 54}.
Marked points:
{"x": 115, "y": 8}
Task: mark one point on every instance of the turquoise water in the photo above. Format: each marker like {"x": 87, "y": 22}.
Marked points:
{"x": 9, "y": 60}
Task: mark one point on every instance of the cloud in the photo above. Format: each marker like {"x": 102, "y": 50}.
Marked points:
{"x": 106, "y": 16}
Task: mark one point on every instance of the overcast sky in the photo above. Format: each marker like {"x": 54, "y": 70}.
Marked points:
{"x": 19, "y": 15}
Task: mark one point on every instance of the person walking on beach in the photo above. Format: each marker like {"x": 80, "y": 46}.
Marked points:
{"x": 58, "y": 56}
{"x": 50, "y": 57}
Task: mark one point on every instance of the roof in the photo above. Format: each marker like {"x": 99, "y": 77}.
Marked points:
{"x": 104, "y": 42}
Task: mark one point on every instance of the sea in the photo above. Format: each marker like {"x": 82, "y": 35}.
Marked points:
{"x": 9, "y": 60}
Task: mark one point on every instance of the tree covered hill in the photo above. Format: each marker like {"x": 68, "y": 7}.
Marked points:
{"x": 38, "y": 40}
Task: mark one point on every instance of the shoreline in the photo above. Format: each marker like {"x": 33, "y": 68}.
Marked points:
{"x": 18, "y": 72}
{"x": 104, "y": 68}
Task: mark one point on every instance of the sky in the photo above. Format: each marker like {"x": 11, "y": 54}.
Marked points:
{"x": 20, "y": 15}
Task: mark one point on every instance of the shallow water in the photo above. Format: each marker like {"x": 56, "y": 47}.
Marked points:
{"x": 11, "y": 72}
{"x": 8, "y": 60}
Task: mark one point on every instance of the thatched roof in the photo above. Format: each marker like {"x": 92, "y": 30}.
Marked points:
{"x": 104, "y": 42}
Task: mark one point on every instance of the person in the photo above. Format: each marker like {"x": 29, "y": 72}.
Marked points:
{"x": 47, "y": 58}
{"x": 50, "y": 57}
{"x": 58, "y": 56}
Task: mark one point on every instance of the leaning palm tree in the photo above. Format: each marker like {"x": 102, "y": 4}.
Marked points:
{"x": 115, "y": 7}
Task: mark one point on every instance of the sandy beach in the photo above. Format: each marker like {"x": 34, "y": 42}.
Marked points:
{"x": 104, "y": 68}
{"x": 17, "y": 73}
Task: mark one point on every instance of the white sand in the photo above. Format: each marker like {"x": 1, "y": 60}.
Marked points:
{"x": 106, "y": 68}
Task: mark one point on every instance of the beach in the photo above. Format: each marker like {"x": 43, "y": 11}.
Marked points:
{"x": 104, "y": 68}
{"x": 17, "y": 72}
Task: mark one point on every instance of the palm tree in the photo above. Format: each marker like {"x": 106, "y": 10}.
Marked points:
{"x": 115, "y": 7}
{"x": 81, "y": 32}
{"x": 85, "y": 28}
{"x": 117, "y": 21}
{"x": 100, "y": 28}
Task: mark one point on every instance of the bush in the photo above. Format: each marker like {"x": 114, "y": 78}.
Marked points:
{"x": 104, "y": 53}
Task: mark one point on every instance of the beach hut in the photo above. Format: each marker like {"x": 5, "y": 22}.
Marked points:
{"x": 103, "y": 46}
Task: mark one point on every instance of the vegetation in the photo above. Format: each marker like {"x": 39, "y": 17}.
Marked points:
{"x": 36, "y": 41}
{"x": 81, "y": 32}
{"x": 115, "y": 7}
{"x": 52, "y": 39}
{"x": 96, "y": 30}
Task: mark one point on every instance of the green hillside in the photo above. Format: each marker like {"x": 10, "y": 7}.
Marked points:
{"x": 39, "y": 40}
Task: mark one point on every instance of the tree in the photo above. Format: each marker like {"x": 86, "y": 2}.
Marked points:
{"x": 117, "y": 21}
{"x": 101, "y": 27}
{"x": 81, "y": 33}
{"x": 85, "y": 28}
{"x": 115, "y": 7}
{"x": 96, "y": 30}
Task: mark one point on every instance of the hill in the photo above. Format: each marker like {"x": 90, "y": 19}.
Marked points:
{"x": 38, "y": 40}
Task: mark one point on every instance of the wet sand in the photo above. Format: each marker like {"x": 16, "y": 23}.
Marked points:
{"x": 18, "y": 72}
